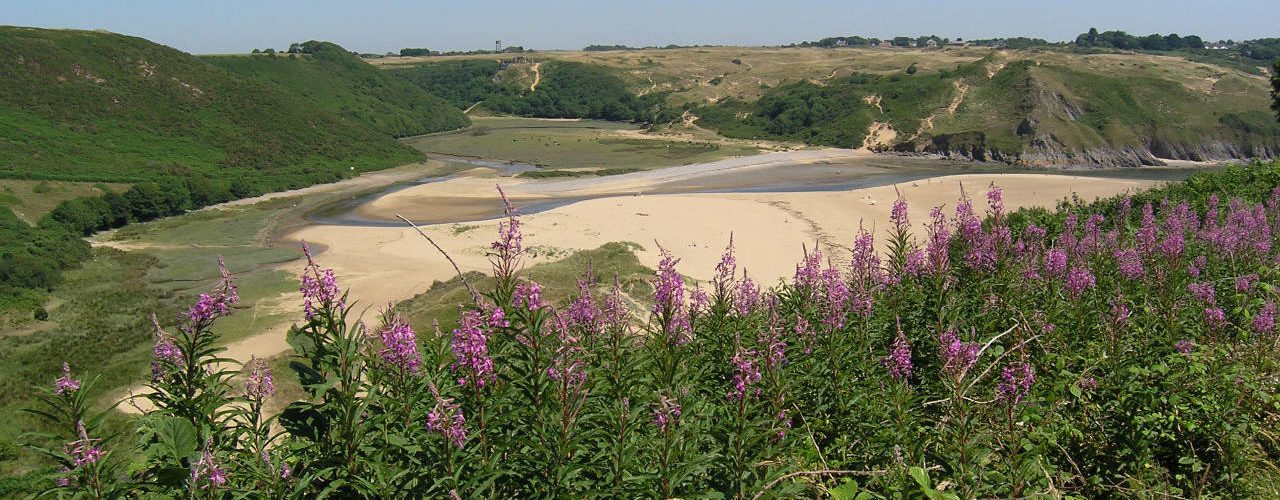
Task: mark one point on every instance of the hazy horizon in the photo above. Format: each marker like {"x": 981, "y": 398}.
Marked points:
{"x": 240, "y": 26}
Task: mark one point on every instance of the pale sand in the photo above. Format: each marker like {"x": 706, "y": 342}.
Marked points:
{"x": 382, "y": 265}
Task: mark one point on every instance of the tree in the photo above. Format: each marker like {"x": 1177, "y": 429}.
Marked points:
{"x": 1275, "y": 89}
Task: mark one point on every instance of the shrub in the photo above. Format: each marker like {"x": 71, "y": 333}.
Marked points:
{"x": 1123, "y": 348}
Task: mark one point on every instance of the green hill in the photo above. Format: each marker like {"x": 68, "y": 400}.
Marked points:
{"x": 555, "y": 89}
{"x": 79, "y": 105}
{"x": 1043, "y": 107}
{"x": 1026, "y": 111}
{"x": 334, "y": 79}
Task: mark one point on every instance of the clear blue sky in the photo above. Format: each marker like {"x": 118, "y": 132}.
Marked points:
{"x": 213, "y": 26}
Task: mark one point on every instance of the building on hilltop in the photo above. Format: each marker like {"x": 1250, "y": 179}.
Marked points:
{"x": 931, "y": 43}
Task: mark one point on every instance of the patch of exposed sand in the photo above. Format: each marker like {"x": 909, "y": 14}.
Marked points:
{"x": 389, "y": 264}
{"x": 880, "y": 135}
{"x": 381, "y": 265}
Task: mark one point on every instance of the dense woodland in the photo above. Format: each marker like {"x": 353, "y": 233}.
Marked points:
{"x": 566, "y": 90}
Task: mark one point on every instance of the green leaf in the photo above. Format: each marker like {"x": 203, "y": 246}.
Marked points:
{"x": 846, "y": 491}
{"x": 921, "y": 477}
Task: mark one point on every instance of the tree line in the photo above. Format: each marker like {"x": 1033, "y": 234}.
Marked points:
{"x": 1121, "y": 40}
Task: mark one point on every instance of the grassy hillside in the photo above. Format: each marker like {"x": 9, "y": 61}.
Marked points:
{"x": 555, "y": 89}
{"x": 336, "y": 80}
{"x": 80, "y": 105}
{"x": 1037, "y": 107}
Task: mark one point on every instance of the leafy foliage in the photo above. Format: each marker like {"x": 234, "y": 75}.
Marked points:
{"x": 81, "y": 105}
{"x": 566, "y": 90}
{"x": 1118, "y": 348}
{"x": 336, "y": 80}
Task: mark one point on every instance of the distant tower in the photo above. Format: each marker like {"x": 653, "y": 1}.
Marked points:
{"x": 497, "y": 45}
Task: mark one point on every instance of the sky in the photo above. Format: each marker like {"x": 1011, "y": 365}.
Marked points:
{"x": 213, "y": 26}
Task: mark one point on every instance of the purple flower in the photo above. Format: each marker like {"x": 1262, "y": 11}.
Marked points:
{"x": 726, "y": 269}
{"x": 165, "y": 350}
{"x": 939, "y": 245}
{"x": 1015, "y": 382}
{"x": 995, "y": 200}
{"x": 669, "y": 301}
{"x": 510, "y": 242}
{"x": 1245, "y": 283}
{"x": 1079, "y": 279}
{"x": 319, "y": 287}
{"x": 1055, "y": 262}
{"x": 1088, "y": 383}
{"x": 1147, "y": 231}
{"x": 615, "y": 311}
{"x": 1119, "y": 313}
{"x": 1215, "y": 318}
{"x": 217, "y": 302}
{"x": 836, "y": 301}
{"x": 898, "y": 362}
{"x": 447, "y": 419}
{"x": 206, "y": 469}
{"x": 583, "y": 313}
{"x": 65, "y": 384}
{"x": 898, "y": 216}
{"x": 260, "y": 384}
{"x": 1202, "y": 291}
{"x": 1129, "y": 263}
{"x": 745, "y": 374}
{"x": 809, "y": 274}
{"x": 528, "y": 295}
{"x": 1264, "y": 323}
{"x": 567, "y": 366}
{"x": 746, "y": 297}
{"x": 666, "y": 414}
{"x": 865, "y": 270}
{"x": 83, "y": 451}
{"x": 916, "y": 263}
{"x": 775, "y": 349}
{"x": 1184, "y": 346}
{"x": 400, "y": 345}
{"x": 471, "y": 350}
{"x": 957, "y": 356}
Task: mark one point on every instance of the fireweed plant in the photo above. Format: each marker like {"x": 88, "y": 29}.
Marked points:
{"x": 1125, "y": 347}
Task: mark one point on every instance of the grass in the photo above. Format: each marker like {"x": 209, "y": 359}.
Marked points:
{"x": 573, "y": 145}
{"x": 90, "y": 106}
{"x": 558, "y": 278}
{"x": 99, "y": 318}
{"x": 341, "y": 83}
{"x": 31, "y": 200}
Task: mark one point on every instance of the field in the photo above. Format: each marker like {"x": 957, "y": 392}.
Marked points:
{"x": 584, "y": 145}
{"x": 31, "y": 200}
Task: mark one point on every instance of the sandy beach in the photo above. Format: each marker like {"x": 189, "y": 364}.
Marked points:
{"x": 383, "y": 264}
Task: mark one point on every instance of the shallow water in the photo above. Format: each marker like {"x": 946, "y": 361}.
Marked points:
{"x": 828, "y": 176}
